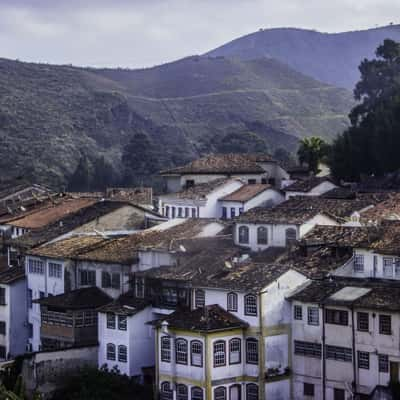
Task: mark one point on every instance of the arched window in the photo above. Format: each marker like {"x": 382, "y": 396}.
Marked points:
{"x": 122, "y": 353}
{"x": 111, "y": 352}
{"x": 219, "y": 354}
{"x": 262, "y": 235}
{"x": 180, "y": 210}
{"x": 250, "y": 304}
{"x": 235, "y": 351}
{"x": 166, "y": 391}
{"x": 197, "y": 393}
{"x": 251, "y": 391}
{"x": 167, "y": 211}
{"x": 251, "y": 351}
{"x": 232, "y": 302}
{"x": 172, "y": 212}
{"x": 243, "y": 234}
{"x": 196, "y": 353}
{"x": 181, "y": 351}
{"x": 199, "y": 298}
{"x": 291, "y": 236}
{"x": 166, "y": 349}
{"x": 193, "y": 213}
{"x": 181, "y": 392}
{"x": 235, "y": 392}
{"x": 187, "y": 212}
{"x": 220, "y": 393}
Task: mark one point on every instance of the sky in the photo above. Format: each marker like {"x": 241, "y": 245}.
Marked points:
{"x": 143, "y": 33}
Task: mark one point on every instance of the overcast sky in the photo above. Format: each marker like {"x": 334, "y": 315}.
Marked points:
{"x": 137, "y": 33}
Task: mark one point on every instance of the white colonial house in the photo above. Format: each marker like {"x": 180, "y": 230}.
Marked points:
{"x": 313, "y": 186}
{"x": 345, "y": 339}
{"x": 250, "y": 168}
{"x": 248, "y": 197}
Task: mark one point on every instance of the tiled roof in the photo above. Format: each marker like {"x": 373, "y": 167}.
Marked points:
{"x": 388, "y": 209}
{"x": 246, "y": 193}
{"x": 307, "y": 184}
{"x": 206, "y": 319}
{"x": 299, "y": 209}
{"x": 379, "y": 294}
{"x": 11, "y": 275}
{"x": 66, "y": 223}
{"x": 54, "y": 212}
{"x": 126, "y": 304}
{"x": 86, "y": 298}
{"x": 223, "y": 164}
{"x": 199, "y": 191}
{"x": 137, "y": 195}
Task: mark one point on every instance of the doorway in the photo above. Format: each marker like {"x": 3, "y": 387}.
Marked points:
{"x": 394, "y": 372}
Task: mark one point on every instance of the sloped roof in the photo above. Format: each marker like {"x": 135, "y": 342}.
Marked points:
{"x": 85, "y": 298}
{"x": 307, "y": 184}
{"x": 387, "y": 209}
{"x": 246, "y": 193}
{"x": 126, "y": 304}
{"x": 137, "y": 195}
{"x": 11, "y": 275}
{"x": 223, "y": 164}
{"x": 206, "y": 319}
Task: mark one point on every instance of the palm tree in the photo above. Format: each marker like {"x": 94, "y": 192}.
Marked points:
{"x": 311, "y": 150}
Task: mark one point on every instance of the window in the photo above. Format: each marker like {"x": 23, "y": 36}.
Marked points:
{"x": 167, "y": 211}
{"x": 219, "y": 354}
{"x": 196, "y": 353}
{"x": 180, "y": 212}
{"x": 298, "y": 312}
{"x": 82, "y": 318}
{"x": 220, "y": 393}
{"x": 122, "y": 322}
{"x": 2, "y": 351}
{"x": 385, "y": 324}
{"x": 307, "y": 349}
{"x": 241, "y": 210}
{"x": 41, "y": 295}
{"x": 189, "y": 183}
{"x": 250, "y": 304}
{"x": 2, "y": 328}
{"x": 383, "y": 362}
{"x": 251, "y": 391}
{"x": 251, "y": 351}
{"x": 262, "y": 235}
{"x": 55, "y": 270}
{"x": 291, "y": 236}
{"x": 363, "y": 359}
{"x": 232, "y": 301}
{"x": 252, "y": 181}
{"x": 88, "y": 278}
{"x": 173, "y": 211}
{"x": 166, "y": 349}
{"x": 181, "y": 351}
{"x": 338, "y": 394}
{"x": 224, "y": 213}
{"x": 139, "y": 285}
{"x": 116, "y": 281}
{"x": 3, "y": 296}
{"x": 30, "y": 330}
{"x": 111, "y": 352}
{"x": 336, "y": 317}
{"x": 338, "y": 353}
{"x": 313, "y": 315}
{"x": 199, "y": 298}
{"x": 35, "y": 266}
{"x": 122, "y": 353}
{"x": 388, "y": 267}
{"x": 166, "y": 391}
{"x": 362, "y": 321}
{"x": 181, "y": 392}
{"x": 358, "y": 263}
{"x": 105, "y": 279}
{"x": 243, "y": 234}
{"x": 197, "y": 393}
{"x": 235, "y": 351}
{"x": 29, "y": 298}
{"x": 193, "y": 213}
{"x": 308, "y": 389}
{"x": 187, "y": 212}
{"x": 233, "y": 212}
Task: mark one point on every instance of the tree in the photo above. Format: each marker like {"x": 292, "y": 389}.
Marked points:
{"x": 80, "y": 179}
{"x": 370, "y": 145}
{"x": 311, "y": 151}
{"x": 103, "y": 174}
{"x": 241, "y": 142}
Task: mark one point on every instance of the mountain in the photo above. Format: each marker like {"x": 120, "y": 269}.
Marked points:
{"x": 328, "y": 57}
{"x": 51, "y": 115}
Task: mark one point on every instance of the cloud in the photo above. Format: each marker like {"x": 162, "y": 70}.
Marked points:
{"x": 136, "y": 33}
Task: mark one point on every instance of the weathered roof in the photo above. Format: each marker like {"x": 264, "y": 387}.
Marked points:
{"x": 246, "y": 193}
{"x": 305, "y": 185}
{"x": 199, "y": 191}
{"x": 299, "y": 209}
{"x": 375, "y": 294}
{"x": 126, "y": 304}
{"x": 223, "y": 164}
{"x": 137, "y": 195}
{"x": 11, "y": 275}
{"x": 52, "y": 213}
{"x": 387, "y": 209}
{"x": 85, "y": 298}
{"x": 206, "y": 319}
{"x": 66, "y": 223}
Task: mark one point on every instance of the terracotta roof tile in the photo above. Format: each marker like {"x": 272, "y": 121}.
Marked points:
{"x": 246, "y": 193}
{"x": 307, "y": 184}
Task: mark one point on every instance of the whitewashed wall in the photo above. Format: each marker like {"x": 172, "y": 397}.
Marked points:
{"x": 315, "y": 191}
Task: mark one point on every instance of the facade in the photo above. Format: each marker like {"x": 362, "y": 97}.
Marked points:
{"x": 250, "y": 168}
